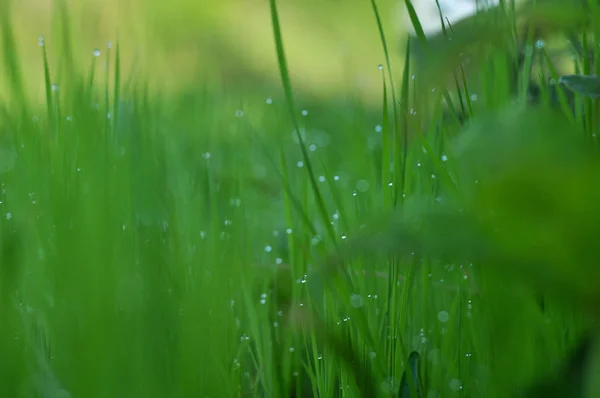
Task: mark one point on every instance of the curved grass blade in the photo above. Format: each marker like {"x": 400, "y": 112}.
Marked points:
{"x": 47, "y": 84}
{"x": 287, "y": 87}
{"x": 414, "y": 19}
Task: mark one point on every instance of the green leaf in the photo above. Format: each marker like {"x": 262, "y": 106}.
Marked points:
{"x": 414, "y": 384}
{"x": 584, "y": 85}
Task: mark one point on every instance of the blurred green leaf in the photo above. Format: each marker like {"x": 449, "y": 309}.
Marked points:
{"x": 574, "y": 378}
{"x": 414, "y": 384}
{"x": 585, "y": 85}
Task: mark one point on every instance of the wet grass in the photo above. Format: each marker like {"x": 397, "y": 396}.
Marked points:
{"x": 249, "y": 243}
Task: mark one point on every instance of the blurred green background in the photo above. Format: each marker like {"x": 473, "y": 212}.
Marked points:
{"x": 170, "y": 225}
{"x": 332, "y": 46}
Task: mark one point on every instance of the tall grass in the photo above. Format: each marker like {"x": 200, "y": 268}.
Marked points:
{"x": 442, "y": 247}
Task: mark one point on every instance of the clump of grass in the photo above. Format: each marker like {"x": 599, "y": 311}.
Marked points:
{"x": 442, "y": 247}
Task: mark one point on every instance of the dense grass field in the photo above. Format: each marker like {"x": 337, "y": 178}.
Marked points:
{"x": 259, "y": 241}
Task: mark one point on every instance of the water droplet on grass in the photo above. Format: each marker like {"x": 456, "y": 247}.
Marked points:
{"x": 443, "y": 316}
{"x": 96, "y": 52}
{"x": 380, "y": 67}
{"x": 455, "y": 385}
{"x": 444, "y": 158}
{"x": 239, "y": 113}
{"x": 362, "y": 185}
{"x": 269, "y": 100}
{"x": 378, "y": 129}
{"x": 300, "y": 163}
{"x": 268, "y": 248}
{"x": 304, "y": 112}
{"x": 356, "y": 300}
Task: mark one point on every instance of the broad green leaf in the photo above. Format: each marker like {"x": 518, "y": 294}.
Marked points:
{"x": 581, "y": 84}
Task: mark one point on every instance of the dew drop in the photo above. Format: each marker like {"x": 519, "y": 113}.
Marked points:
{"x": 356, "y": 300}
{"x": 455, "y": 385}
{"x": 304, "y": 112}
{"x": 96, "y": 53}
{"x": 443, "y": 316}
{"x": 362, "y": 185}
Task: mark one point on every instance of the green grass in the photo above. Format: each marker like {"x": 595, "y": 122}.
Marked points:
{"x": 260, "y": 243}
